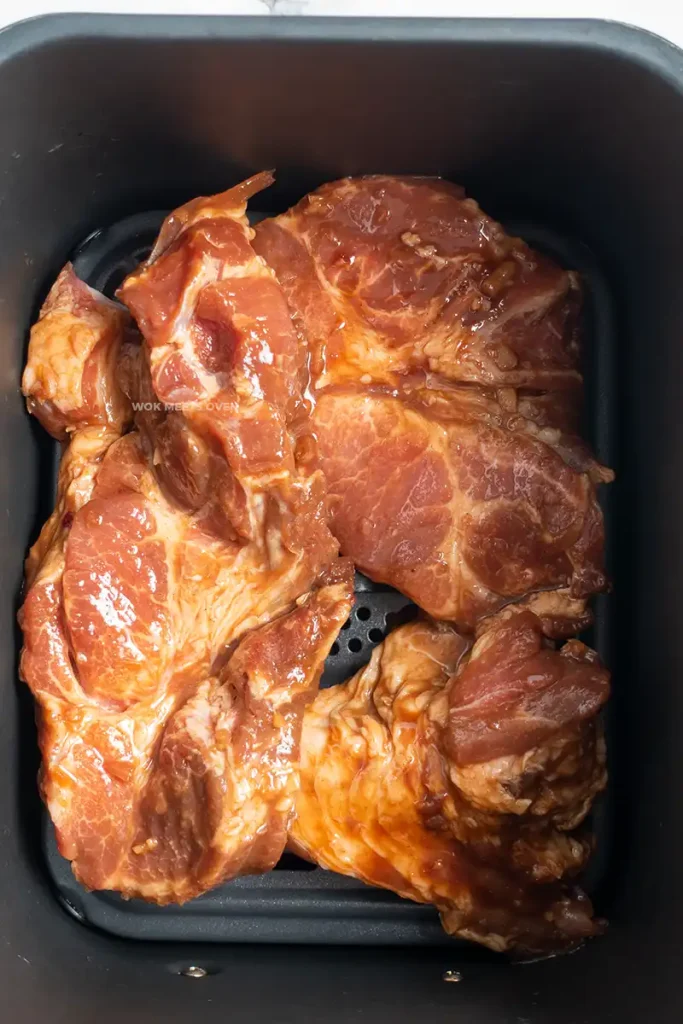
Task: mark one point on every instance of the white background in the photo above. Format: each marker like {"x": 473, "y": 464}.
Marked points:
{"x": 664, "y": 17}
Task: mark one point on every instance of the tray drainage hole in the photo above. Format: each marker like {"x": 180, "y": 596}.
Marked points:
{"x": 193, "y": 972}
{"x": 363, "y": 614}
{"x": 375, "y": 636}
{"x": 347, "y": 624}
{"x": 334, "y": 649}
{"x": 355, "y": 645}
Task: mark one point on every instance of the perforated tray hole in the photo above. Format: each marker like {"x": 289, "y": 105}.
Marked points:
{"x": 399, "y": 616}
{"x": 378, "y": 610}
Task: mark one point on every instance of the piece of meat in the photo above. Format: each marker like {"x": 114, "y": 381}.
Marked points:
{"x": 164, "y": 791}
{"x": 447, "y": 502}
{"x": 230, "y": 436}
{"x": 69, "y": 380}
{"x": 453, "y": 776}
{"x": 170, "y": 664}
{"x": 446, "y": 389}
{"x": 388, "y": 274}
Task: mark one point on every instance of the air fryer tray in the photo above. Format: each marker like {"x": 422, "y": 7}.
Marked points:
{"x": 298, "y": 902}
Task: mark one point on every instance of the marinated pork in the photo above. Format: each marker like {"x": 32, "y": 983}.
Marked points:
{"x": 381, "y": 370}
{"x": 446, "y": 393}
{"x": 455, "y": 775}
{"x": 171, "y": 660}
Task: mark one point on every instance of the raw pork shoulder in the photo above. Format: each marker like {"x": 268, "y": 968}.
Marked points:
{"x": 446, "y": 389}
{"x": 454, "y": 776}
{"x": 382, "y": 370}
{"x": 171, "y": 645}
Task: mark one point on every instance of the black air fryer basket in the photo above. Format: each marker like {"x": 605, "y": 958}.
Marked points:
{"x": 571, "y": 133}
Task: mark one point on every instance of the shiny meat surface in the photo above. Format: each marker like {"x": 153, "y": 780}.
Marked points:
{"x": 70, "y": 376}
{"x": 446, "y": 497}
{"x": 171, "y": 664}
{"x": 388, "y": 275}
{"x": 382, "y": 370}
{"x": 230, "y": 441}
{"x": 446, "y": 390}
{"x": 453, "y": 775}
